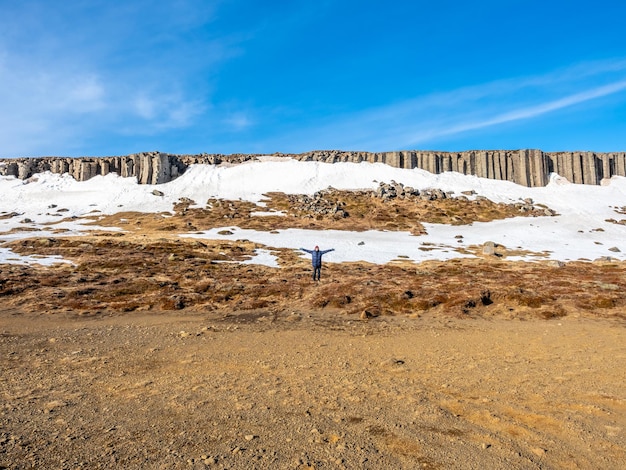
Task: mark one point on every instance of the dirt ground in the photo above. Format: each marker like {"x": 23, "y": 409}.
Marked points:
{"x": 311, "y": 389}
{"x": 156, "y": 351}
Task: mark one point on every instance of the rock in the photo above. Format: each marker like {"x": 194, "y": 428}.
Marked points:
{"x": 53, "y": 405}
{"x": 156, "y": 192}
{"x": 528, "y": 167}
{"x": 489, "y": 248}
{"x": 370, "y": 312}
{"x": 539, "y": 451}
{"x": 179, "y": 303}
{"x": 555, "y": 263}
{"x": 615, "y": 249}
{"x": 392, "y": 362}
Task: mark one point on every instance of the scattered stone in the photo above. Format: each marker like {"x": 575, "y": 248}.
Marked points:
{"x": 53, "y": 405}
{"x": 489, "y": 248}
{"x": 179, "y": 302}
{"x": 156, "y": 192}
{"x": 370, "y": 312}
{"x": 615, "y": 249}
{"x": 555, "y": 263}
{"x": 539, "y": 451}
{"x": 392, "y": 362}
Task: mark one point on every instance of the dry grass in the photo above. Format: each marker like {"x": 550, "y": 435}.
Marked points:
{"x": 126, "y": 273}
{"x": 365, "y": 212}
{"x": 150, "y": 268}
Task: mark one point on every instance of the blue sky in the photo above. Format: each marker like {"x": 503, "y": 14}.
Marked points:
{"x": 81, "y": 77}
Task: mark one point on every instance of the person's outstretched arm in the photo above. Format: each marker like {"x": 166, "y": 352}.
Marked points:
{"x": 308, "y": 251}
{"x": 326, "y": 251}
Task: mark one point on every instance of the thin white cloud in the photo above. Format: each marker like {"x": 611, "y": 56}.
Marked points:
{"x": 238, "y": 121}
{"x": 159, "y": 111}
{"x": 427, "y": 118}
{"x": 65, "y": 81}
{"x": 144, "y": 106}
{"x": 521, "y": 113}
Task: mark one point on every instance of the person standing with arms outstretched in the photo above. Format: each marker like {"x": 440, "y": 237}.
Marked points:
{"x": 316, "y": 260}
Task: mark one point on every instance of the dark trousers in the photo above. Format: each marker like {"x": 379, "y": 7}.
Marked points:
{"x": 316, "y": 273}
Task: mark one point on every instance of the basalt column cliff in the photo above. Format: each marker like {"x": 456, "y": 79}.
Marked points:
{"x": 525, "y": 167}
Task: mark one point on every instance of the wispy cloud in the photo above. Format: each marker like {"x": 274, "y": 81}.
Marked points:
{"x": 160, "y": 112}
{"x": 520, "y": 113}
{"x": 238, "y": 121}
{"x": 65, "y": 81}
{"x": 429, "y": 118}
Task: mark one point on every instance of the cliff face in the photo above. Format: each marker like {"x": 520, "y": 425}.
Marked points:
{"x": 525, "y": 167}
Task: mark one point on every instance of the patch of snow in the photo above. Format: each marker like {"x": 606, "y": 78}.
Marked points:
{"x": 372, "y": 246}
{"x": 267, "y": 213}
{"x": 264, "y": 258}
{"x": 9, "y": 257}
{"x": 580, "y": 231}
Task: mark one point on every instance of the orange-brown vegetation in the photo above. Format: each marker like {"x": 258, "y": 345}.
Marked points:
{"x": 361, "y": 210}
{"x": 127, "y": 273}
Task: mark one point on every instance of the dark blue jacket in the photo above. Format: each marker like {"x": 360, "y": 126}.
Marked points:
{"x": 316, "y": 256}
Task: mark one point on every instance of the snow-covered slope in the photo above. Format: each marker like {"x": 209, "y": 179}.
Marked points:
{"x": 579, "y": 232}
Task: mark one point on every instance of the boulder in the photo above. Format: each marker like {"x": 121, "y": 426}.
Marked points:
{"x": 489, "y": 248}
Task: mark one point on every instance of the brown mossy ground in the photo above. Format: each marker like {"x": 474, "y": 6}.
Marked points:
{"x": 364, "y": 212}
{"x": 149, "y": 267}
{"x": 129, "y": 272}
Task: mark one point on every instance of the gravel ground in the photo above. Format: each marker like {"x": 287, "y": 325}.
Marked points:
{"x": 310, "y": 390}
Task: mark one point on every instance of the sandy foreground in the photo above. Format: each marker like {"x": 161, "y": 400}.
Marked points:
{"x": 310, "y": 390}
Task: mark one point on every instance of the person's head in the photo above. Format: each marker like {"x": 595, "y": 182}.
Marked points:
{"x": 317, "y": 248}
